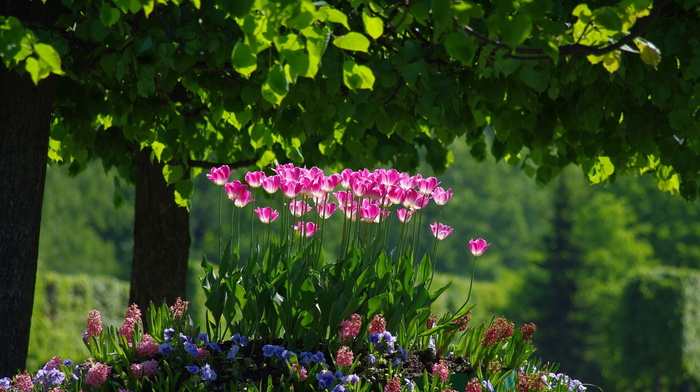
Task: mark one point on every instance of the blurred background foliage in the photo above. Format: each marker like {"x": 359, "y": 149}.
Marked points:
{"x": 571, "y": 257}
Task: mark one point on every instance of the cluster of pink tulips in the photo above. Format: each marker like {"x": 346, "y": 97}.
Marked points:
{"x": 361, "y": 195}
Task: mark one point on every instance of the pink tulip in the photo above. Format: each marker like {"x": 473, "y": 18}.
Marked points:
{"x": 442, "y": 196}
{"x": 440, "y": 231}
{"x": 478, "y": 246}
{"x": 266, "y": 214}
{"x": 299, "y": 208}
{"x": 255, "y": 179}
{"x": 404, "y": 215}
{"x": 369, "y": 212}
{"x": 235, "y": 189}
{"x": 326, "y": 210}
{"x": 290, "y": 189}
{"x": 271, "y": 184}
{"x": 307, "y": 229}
{"x": 328, "y": 183}
{"x": 220, "y": 175}
{"x": 426, "y": 185}
{"x": 243, "y": 200}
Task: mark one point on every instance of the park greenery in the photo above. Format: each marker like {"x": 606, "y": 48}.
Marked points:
{"x": 160, "y": 90}
{"x": 627, "y": 226}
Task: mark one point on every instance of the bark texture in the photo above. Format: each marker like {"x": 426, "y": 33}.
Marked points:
{"x": 161, "y": 237}
{"x": 25, "y": 119}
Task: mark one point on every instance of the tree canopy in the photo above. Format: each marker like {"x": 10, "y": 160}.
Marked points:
{"x": 610, "y": 88}
{"x": 157, "y": 87}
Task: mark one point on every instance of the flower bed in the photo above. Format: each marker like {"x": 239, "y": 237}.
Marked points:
{"x": 284, "y": 317}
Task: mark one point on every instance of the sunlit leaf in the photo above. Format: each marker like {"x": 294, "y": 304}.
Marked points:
{"x": 374, "y": 27}
{"x": 352, "y": 41}
{"x": 357, "y": 76}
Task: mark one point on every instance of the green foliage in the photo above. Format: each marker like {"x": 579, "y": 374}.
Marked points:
{"x": 353, "y": 82}
{"x": 665, "y": 302}
{"x": 61, "y": 304}
{"x": 81, "y": 230}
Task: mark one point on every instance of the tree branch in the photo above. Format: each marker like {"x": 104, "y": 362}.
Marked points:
{"x": 577, "y": 50}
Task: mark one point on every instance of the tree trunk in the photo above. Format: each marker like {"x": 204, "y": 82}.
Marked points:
{"x": 25, "y": 120}
{"x": 161, "y": 237}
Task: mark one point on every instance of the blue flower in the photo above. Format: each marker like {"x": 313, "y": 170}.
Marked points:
{"x": 165, "y": 348}
{"x": 50, "y": 377}
{"x": 341, "y": 378}
{"x": 168, "y": 333}
{"x": 411, "y": 384}
{"x": 269, "y": 350}
{"x": 339, "y": 388}
{"x": 325, "y": 378}
{"x": 239, "y": 340}
{"x": 403, "y": 353}
{"x": 192, "y": 369}
{"x": 396, "y": 361}
{"x": 306, "y": 358}
{"x": 191, "y": 348}
{"x": 232, "y": 354}
{"x": 372, "y": 358}
{"x": 318, "y": 357}
{"x": 352, "y": 379}
{"x": 208, "y": 374}
{"x": 375, "y": 337}
{"x": 67, "y": 362}
{"x": 487, "y": 384}
{"x": 5, "y": 382}
{"x": 184, "y": 337}
{"x": 214, "y": 346}
{"x": 203, "y": 337}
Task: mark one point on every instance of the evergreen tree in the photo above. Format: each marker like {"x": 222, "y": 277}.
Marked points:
{"x": 552, "y": 288}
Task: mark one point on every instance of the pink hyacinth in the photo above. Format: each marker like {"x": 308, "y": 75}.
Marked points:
{"x": 145, "y": 369}
{"x": 220, "y": 175}
{"x": 97, "y": 375}
{"x": 94, "y": 324}
{"x": 441, "y": 371}
{"x": 53, "y": 364}
{"x": 478, "y": 246}
{"x": 24, "y": 382}
{"x": 378, "y": 324}
{"x": 441, "y": 196}
{"x": 473, "y": 386}
{"x": 393, "y": 385}
{"x": 440, "y": 231}
{"x": 179, "y": 308}
{"x": 349, "y": 329}
{"x": 266, "y": 214}
{"x": 147, "y": 348}
{"x": 345, "y": 357}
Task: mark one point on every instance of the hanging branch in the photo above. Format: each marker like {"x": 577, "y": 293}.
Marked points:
{"x": 576, "y": 50}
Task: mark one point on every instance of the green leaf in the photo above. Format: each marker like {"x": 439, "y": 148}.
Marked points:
{"x": 352, "y": 41}
{"x": 516, "y": 30}
{"x": 109, "y": 15}
{"x": 465, "y": 10}
{"x": 333, "y": 15}
{"x": 460, "y": 46}
{"x": 606, "y": 18}
{"x": 146, "y": 84}
{"x": 35, "y": 70}
{"x": 49, "y": 56}
{"x": 649, "y": 53}
{"x": 357, "y": 76}
{"x": 172, "y": 173}
{"x": 243, "y": 59}
{"x": 373, "y": 25}
{"x": 278, "y": 80}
